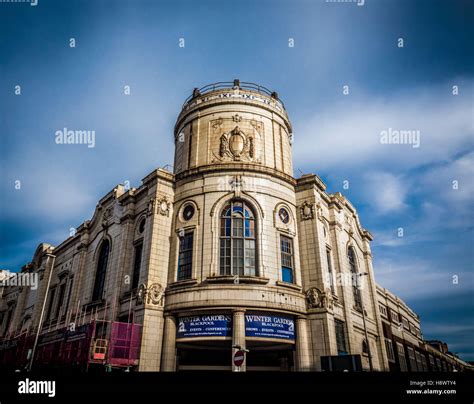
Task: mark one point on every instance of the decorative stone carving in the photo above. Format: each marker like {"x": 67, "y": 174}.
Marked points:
{"x": 237, "y": 118}
{"x": 217, "y": 124}
{"x": 164, "y": 206}
{"x": 236, "y": 183}
{"x": 155, "y": 294}
{"x": 236, "y": 145}
{"x": 317, "y": 299}
{"x": 314, "y": 298}
{"x": 307, "y": 211}
{"x": 106, "y": 216}
{"x": 257, "y": 126}
{"x": 150, "y": 207}
{"x": 108, "y": 213}
{"x": 141, "y": 294}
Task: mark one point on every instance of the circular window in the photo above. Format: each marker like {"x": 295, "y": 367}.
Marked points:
{"x": 141, "y": 226}
{"x": 188, "y": 212}
{"x": 284, "y": 215}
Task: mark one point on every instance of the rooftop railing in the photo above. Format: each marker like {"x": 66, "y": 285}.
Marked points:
{"x": 197, "y": 92}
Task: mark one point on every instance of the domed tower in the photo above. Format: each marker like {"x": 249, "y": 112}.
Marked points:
{"x": 234, "y": 279}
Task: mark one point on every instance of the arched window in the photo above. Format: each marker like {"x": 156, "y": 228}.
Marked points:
{"x": 355, "y": 279}
{"x": 237, "y": 240}
{"x": 101, "y": 271}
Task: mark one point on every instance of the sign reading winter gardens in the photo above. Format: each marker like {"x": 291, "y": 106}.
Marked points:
{"x": 267, "y": 325}
{"x": 205, "y": 325}
{"x": 259, "y": 325}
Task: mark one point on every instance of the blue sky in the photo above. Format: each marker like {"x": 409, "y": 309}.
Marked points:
{"x": 337, "y": 136}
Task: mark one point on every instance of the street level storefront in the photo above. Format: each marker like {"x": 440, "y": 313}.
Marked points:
{"x": 209, "y": 341}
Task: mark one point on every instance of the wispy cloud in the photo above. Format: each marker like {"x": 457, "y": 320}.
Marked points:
{"x": 347, "y": 135}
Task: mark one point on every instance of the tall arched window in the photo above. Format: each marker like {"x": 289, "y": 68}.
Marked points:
{"x": 237, "y": 240}
{"x": 355, "y": 278}
{"x": 101, "y": 271}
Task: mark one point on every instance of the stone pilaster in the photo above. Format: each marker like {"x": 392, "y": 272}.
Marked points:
{"x": 168, "y": 358}
{"x": 238, "y": 338}
{"x": 303, "y": 355}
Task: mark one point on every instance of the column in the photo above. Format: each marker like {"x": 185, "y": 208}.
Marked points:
{"x": 238, "y": 338}
{"x": 303, "y": 361}
{"x": 168, "y": 361}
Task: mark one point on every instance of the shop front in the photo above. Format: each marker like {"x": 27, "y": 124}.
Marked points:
{"x": 212, "y": 341}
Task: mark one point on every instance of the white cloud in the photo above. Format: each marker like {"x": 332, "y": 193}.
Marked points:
{"x": 414, "y": 277}
{"x": 347, "y": 135}
{"x": 388, "y": 191}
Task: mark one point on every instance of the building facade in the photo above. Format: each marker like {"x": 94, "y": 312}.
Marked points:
{"x": 228, "y": 255}
{"x": 406, "y": 349}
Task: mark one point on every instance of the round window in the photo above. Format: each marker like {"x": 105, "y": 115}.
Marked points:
{"x": 141, "y": 226}
{"x": 188, "y": 212}
{"x": 284, "y": 215}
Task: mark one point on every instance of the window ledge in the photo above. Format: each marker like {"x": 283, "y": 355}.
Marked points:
{"x": 288, "y": 285}
{"x": 96, "y": 303}
{"x": 182, "y": 284}
{"x": 237, "y": 279}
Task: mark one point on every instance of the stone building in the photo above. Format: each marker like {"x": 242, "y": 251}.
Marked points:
{"x": 228, "y": 253}
{"x": 406, "y": 349}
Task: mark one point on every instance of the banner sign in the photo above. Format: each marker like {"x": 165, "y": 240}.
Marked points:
{"x": 267, "y": 325}
{"x": 80, "y": 332}
{"x": 206, "y": 325}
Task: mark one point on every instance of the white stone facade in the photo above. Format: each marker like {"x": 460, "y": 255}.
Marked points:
{"x": 233, "y": 145}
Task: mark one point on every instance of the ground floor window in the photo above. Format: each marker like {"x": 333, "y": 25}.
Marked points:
{"x": 401, "y": 357}
{"x": 340, "y": 337}
{"x": 389, "y": 348}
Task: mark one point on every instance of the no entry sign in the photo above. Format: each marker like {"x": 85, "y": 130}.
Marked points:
{"x": 239, "y": 357}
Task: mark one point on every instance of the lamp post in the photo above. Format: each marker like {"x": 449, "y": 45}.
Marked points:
{"x": 40, "y": 324}
{"x": 365, "y": 325}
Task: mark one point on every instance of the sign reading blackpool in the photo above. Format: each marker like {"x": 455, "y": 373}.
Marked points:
{"x": 206, "y": 325}
{"x": 269, "y": 326}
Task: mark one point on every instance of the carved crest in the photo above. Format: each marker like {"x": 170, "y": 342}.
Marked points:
{"x": 164, "y": 206}
{"x": 236, "y": 145}
{"x": 307, "y": 211}
{"x": 155, "y": 293}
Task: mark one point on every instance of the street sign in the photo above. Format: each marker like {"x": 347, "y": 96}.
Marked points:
{"x": 239, "y": 357}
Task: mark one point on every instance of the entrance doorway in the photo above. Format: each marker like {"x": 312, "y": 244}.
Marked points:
{"x": 217, "y": 355}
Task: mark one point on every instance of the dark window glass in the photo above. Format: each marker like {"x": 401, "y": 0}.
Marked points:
{"x": 286, "y": 247}
{"x": 402, "y": 358}
{"x": 237, "y": 240}
{"x": 284, "y": 215}
{"x": 62, "y": 292}
{"x": 331, "y": 277}
{"x": 136, "y": 265}
{"x": 69, "y": 294}
{"x": 141, "y": 226}
{"x": 101, "y": 271}
{"x": 355, "y": 279}
{"x": 340, "y": 337}
{"x": 50, "y": 305}
{"x": 188, "y": 212}
{"x": 365, "y": 348}
{"x": 185, "y": 258}
{"x": 8, "y": 320}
